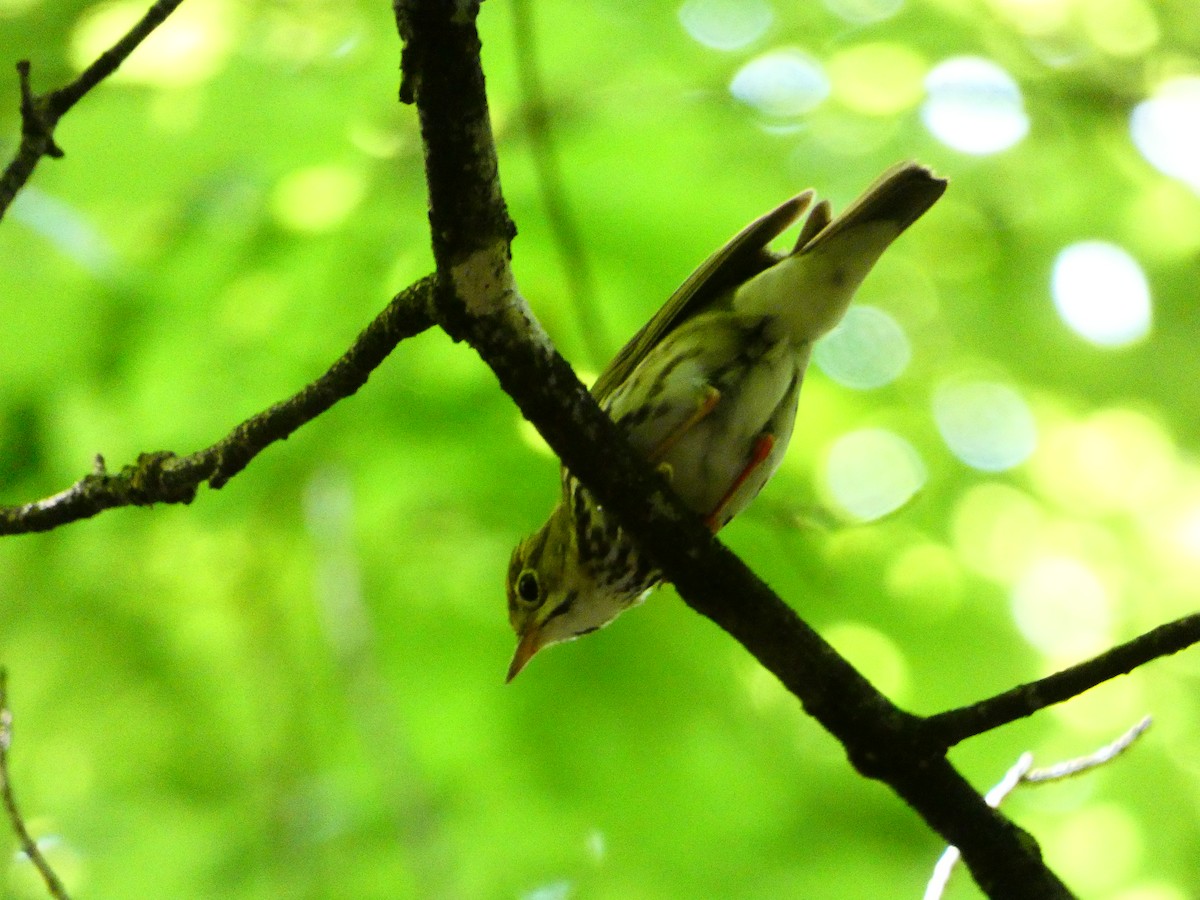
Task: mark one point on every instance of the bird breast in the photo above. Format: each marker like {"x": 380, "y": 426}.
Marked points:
{"x": 755, "y": 370}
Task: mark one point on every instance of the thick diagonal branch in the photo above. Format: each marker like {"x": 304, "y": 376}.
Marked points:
{"x": 478, "y": 302}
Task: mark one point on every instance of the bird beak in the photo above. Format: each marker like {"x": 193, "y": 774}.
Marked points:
{"x": 529, "y": 644}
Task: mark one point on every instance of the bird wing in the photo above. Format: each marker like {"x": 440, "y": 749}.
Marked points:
{"x": 742, "y": 257}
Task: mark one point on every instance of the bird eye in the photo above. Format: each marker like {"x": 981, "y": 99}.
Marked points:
{"x": 527, "y": 587}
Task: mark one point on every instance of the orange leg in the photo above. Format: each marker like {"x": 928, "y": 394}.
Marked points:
{"x": 711, "y": 398}
{"x": 763, "y": 446}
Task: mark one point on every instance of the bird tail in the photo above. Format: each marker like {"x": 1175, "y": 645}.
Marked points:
{"x": 810, "y": 289}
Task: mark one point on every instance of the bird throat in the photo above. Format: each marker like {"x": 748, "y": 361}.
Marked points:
{"x": 615, "y": 562}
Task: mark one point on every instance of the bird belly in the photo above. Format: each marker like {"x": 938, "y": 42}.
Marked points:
{"x": 756, "y": 374}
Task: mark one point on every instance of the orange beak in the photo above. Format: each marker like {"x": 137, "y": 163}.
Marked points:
{"x": 529, "y": 644}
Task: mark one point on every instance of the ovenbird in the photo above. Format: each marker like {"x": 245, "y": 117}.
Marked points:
{"x": 707, "y": 392}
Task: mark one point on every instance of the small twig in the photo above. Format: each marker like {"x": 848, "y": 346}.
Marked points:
{"x": 955, "y": 725}
{"x": 1022, "y": 772}
{"x": 1071, "y": 767}
{"x": 40, "y": 112}
{"x": 163, "y": 477}
{"x": 28, "y": 845}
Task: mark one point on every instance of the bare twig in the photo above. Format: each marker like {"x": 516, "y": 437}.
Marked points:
{"x": 28, "y": 845}
{"x": 1022, "y": 772}
{"x": 40, "y": 112}
{"x": 1070, "y": 767}
{"x": 164, "y": 477}
{"x": 956, "y": 725}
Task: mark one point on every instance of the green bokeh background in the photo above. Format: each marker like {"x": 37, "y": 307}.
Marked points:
{"x": 293, "y": 687}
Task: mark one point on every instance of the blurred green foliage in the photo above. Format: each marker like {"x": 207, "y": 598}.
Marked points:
{"x": 293, "y": 687}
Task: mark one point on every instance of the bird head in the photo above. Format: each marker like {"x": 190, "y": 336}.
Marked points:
{"x": 553, "y": 596}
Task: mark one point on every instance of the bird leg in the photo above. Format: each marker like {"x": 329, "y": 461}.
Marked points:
{"x": 706, "y": 405}
{"x": 763, "y": 445}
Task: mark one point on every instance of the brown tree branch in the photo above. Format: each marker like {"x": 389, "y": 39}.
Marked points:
{"x": 478, "y": 301}
{"x": 164, "y": 477}
{"x": 40, "y": 113}
{"x": 28, "y": 845}
{"x": 955, "y": 725}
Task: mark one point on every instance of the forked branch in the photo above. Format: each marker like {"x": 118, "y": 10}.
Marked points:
{"x": 40, "y": 112}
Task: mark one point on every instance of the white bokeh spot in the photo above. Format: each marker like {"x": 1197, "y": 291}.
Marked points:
{"x": 781, "y": 84}
{"x": 868, "y": 349}
{"x": 1166, "y": 129}
{"x": 872, "y": 472}
{"x": 986, "y": 424}
{"x": 1101, "y": 293}
{"x": 974, "y": 106}
{"x": 726, "y": 24}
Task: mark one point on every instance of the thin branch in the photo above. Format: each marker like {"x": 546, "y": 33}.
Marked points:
{"x": 477, "y": 301}
{"x": 40, "y": 113}
{"x": 28, "y": 845}
{"x": 955, "y": 725}
{"x": 1069, "y": 768}
{"x": 564, "y": 229}
{"x": 163, "y": 477}
{"x": 1022, "y": 772}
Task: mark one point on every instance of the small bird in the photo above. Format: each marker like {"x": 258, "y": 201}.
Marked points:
{"x": 707, "y": 392}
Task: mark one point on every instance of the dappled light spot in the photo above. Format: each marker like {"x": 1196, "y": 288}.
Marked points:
{"x": 531, "y": 438}
{"x": 974, "y": 106}
{"x": 1096, "y": 849}
{"x": 868, "y": 349}
{"x": 253, "y": 305}
{"x": 1035, "y": 17}
{"x": 997, "y": 529}
{"x": 317, "y": 198}
{"x": 1153, "y": 889}
{"x": 726, "y": 24}
{"x": 1117, "y": 460}
{"x": 864, "y": 12}
{"x": 1120, "y": 27}
{"x": 1101, "y": 293}
{"x": 1102, "y": 714}
{"x": 1168, "y": 218}
{"x": 10, "y": 9}
{"x": 555, "y": 890}
{"x": 874, "y": 654}
{"x": 1181, "y": 527}
{"x": 65, "y": 227}
{"x": 781, "y": 84}
{"x": 1166, "y": 129}
{"x": 763, "y": 690}
{"x": 1063, "y": 607}
{"x": 878, "y": 79}
{"x": 376, "y": 139}
{"x": 986, "y": 424}
{"x": 597, "y": 845}
{"x": 872, "y": 472}
{"x": 191, "y": 47}
{"x": 926, "y": 578}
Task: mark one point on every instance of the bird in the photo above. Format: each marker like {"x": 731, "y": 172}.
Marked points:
{"x": 707, "y": 392}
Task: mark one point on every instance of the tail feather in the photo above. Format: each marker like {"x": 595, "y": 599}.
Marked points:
{"x": 899, "y": 196}
{"x": 810, "y": 289}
